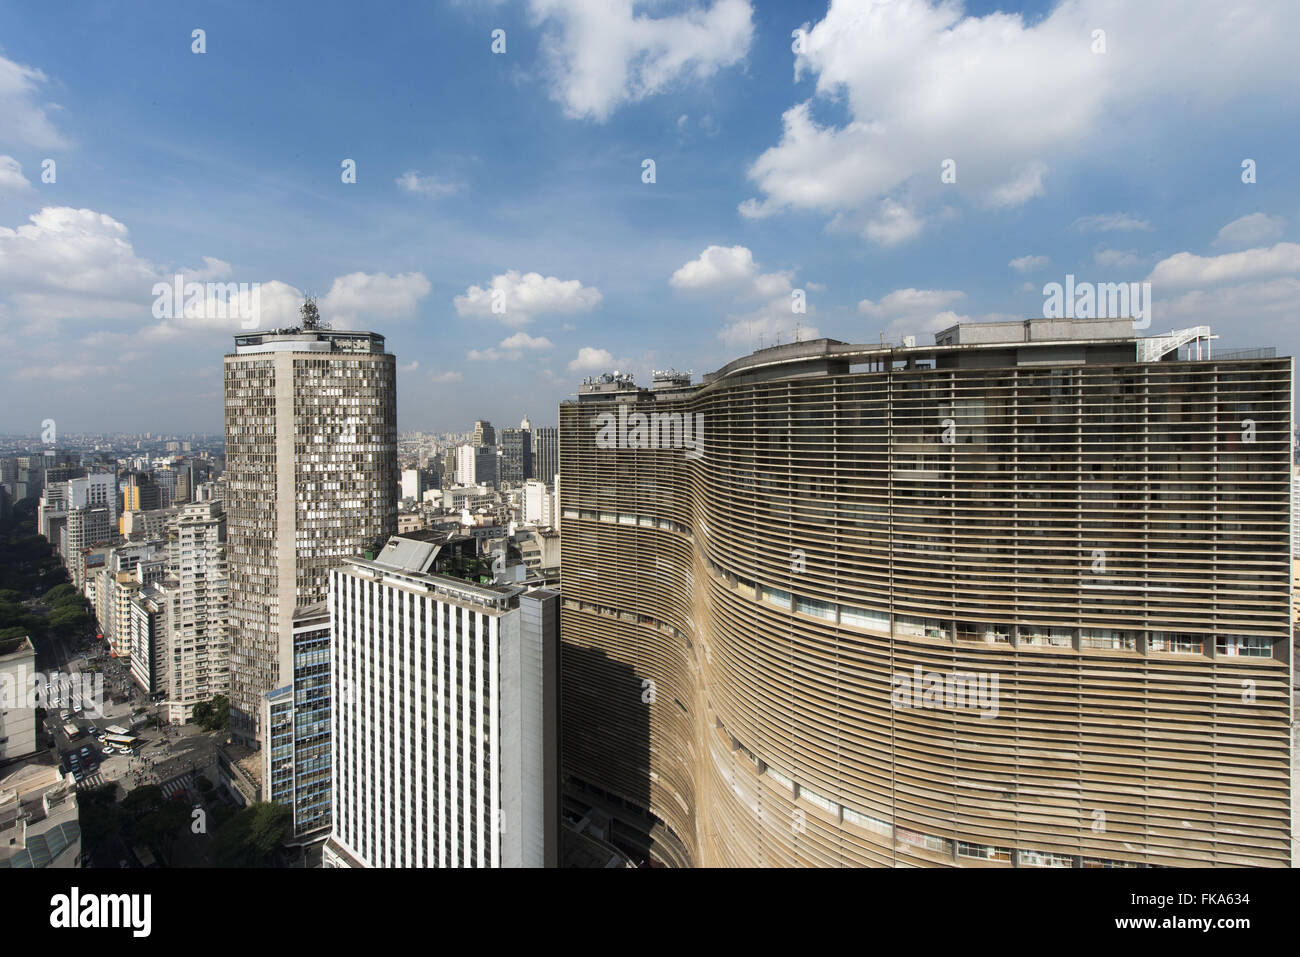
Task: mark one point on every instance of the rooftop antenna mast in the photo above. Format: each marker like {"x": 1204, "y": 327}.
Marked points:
{"x": 311, "y": 319}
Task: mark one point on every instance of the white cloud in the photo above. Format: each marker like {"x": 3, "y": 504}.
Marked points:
{"x": 600, "y": 54}
{"x": 446, "y": 376}
{"x": 915, "y": 311}
{"x": 592, "y": 360}
{"x": 1250, "y": 230}
{"x": 1188, "y": 269}
{"x": 512, "y": 347}
{"x": 11, "y": 175}
{"x": 22, "y": 118}
{"x": 1027, "y": 264}
{"x": 893, "y": 224}
{"x": 410, "y": 366}
{"x": 717, "y": 266}
{"x": 521, "y": 340}
{"x": 373, "y": 295}
{"x": 1116, "y": 258}
{"x": 920, "y": 82}
{"x": 1022, "y": 188}
{"x": 413, "y": 182}
{"x": 1109, "y": 222}
{"x": 519, "y": 297}
{"x": 767, "y": 326}
{"x": 70, "y": 263}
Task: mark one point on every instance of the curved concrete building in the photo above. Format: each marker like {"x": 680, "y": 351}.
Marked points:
{"x": 1021, "y": 598}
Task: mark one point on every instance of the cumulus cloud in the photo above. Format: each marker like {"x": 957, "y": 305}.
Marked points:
{"x": 1248, "y": 230}
{"x": 373, "y": 295}
{"x": 1027, "y": 264}
{"x": 413, "y": 182}
{"x": 919, "y": 82}
{"x": 590, "y": 359}
{"x": 915, "y": 311}
{"x": 730, "y": 269}
{"x": 515, "y": 298}
{"x": 11, "y": 175}
{"x": 601, "y": 54}
{"x": 70, "y": 263}
{"x": 892, "y": 224}
{"x": 22, "y": 117}
{"x": 512, "y": 347}
{"x": 1187, "y": 269}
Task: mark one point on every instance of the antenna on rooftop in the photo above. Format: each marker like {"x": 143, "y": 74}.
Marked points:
{"x": 311, "y": 315}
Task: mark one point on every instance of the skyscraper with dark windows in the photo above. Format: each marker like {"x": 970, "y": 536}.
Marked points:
{"x": 311, "y": 468}
{"x": 546, "y": 454}
{"x": 516, "y": 455}
{"x": 1018, "y": 598}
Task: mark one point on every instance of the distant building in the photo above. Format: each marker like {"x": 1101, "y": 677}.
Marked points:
{"x": 412, "y": 484}
{"x": 476, "y": 464}
{"x": 516, "y": 455}
{"x": 538, "y": 504}
{"x": 484, "y": 434}
{"x": 546, "y": 454}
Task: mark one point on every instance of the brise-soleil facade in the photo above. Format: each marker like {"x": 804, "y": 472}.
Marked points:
{"x": 1020, "y": 598}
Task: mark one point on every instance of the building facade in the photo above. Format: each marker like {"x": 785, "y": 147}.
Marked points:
{"x": 546, "y": 454}
{"x": 1020, "y": 598}
{"x": 311, "y": 470}
{"x": 445, "y": 752}
{"x": 297, "y": 762}
{"x": 199, "y": 662}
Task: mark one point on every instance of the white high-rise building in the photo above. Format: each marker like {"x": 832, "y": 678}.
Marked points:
{"x": 200, "y": 643}
{"x": 444, "y": 722}
{"x": 412, "y": 484}
{"x": 538, "y": 504}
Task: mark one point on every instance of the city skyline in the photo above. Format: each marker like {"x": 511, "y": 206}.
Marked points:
{"x": 530, "y": 185}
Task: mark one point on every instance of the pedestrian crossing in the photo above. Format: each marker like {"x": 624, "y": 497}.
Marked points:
{"x": 90, "y": 782}
{"x": 178, "y": 785}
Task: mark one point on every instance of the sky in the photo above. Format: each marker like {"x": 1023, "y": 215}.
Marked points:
{"x": 550, "y": 189}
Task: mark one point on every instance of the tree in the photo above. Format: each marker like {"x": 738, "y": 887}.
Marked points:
{"x": 250, "y": 837}
{"x": 213, "y": 715}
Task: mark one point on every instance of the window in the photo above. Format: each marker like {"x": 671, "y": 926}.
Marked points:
{"x": 1177, "y": 643}
{"x": 1246, "y": 646}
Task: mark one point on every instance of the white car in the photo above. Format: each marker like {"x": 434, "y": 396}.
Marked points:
{"x": 108, "y": 749}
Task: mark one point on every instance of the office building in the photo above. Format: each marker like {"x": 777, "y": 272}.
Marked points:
{"x": 297, "y": 761}
{"x": 444, "y": 719}
{"x": 516, "y": 455}
{"x": 546, "y": 454}
{"x": 413, "y": 485}
{"x": 484, "y": 434}
{"x": 1019, "y": 598}
{"x": 476, "y": 464}
{"x": 311, "y": 471}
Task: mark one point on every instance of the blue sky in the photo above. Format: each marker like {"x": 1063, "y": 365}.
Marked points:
{"x": 521, "y": 172}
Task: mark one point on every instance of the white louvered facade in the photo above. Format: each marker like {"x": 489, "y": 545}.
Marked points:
{"x": 420, "y": 692}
